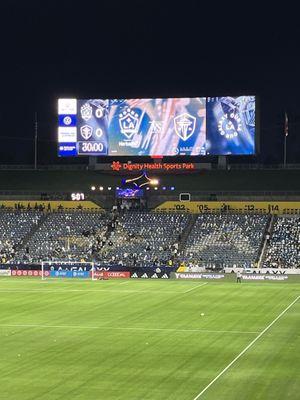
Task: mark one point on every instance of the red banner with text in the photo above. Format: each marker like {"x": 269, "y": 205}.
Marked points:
{"x": 29, "y": 273}
{"x": 112, "y": 274}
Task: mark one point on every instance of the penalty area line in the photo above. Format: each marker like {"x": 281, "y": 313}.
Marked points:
{"x": 246, "y": 349}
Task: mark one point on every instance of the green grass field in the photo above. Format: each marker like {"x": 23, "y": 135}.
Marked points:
{"x": 147, "y": 340}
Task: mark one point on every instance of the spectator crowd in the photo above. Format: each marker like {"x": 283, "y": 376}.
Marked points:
{"x": 141, "y": 238}
{"x": 283, "y": 247}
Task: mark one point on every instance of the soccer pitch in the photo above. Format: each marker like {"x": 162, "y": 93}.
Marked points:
{"x": 147, "y": 340}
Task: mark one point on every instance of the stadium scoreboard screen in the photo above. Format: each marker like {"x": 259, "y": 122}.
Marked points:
{"x": 129, "y": 193}
{"x": 157, "y": 127}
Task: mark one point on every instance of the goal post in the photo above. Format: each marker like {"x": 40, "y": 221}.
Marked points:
{"x": 47, "y": 267}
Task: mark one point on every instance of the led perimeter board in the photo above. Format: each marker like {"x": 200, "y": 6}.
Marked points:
{"x": 157, "y": 127}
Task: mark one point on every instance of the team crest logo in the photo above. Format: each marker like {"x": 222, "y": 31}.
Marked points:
{"x": 129, "y": 122}
{"x": 185, "y": 125}
{"x": 230, "y": 125}
{"x": 67, "y": 120}
{"x": 86, "y": 111}
{"x": 86, "y": 131}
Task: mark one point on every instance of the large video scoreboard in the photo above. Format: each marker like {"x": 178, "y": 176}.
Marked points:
{"x": 157, "y": 127}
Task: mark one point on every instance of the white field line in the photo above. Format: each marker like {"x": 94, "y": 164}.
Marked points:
{"x": 195, "y": 287}
{"x": 246, "y": 349}
{"x": 122, "y": 328}
{"x": 62, "y": 291}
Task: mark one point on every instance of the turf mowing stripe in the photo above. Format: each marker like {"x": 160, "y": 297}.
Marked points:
{"x": 85, "y": 290}
{"x": 246, "y": 348}
{"x": 195, "y": 287}
{"x": 122, "y": 328}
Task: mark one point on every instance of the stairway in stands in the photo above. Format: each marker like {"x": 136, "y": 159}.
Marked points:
{"x": 186, "y": 232}
{"x": 268, "y": 230}
{"x": 34, "y": 229}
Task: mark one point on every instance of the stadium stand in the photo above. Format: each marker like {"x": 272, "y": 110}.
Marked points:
{"x": 225, "y": 240}
{"x": 14, "y": 228}
{"x": 136, "y": 238}
{"x": 65, "y": 236}
{"x": 283, "y": 248}
{"x": 143, "y": 239}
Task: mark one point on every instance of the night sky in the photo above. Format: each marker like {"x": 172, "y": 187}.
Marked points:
{"x": 122, "y": 49}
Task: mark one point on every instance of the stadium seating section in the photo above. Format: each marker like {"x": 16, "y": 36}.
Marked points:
{"x": 145, "y": 238}
{"x": 229, "y": 239}
{"x": 283, "y": 248}
{"x": 64, "y": 236}
{"x": 14, "y": 228}
{"x": 150, "y": 239}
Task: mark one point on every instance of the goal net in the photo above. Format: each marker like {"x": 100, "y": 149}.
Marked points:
{"x": 69, "y": 269}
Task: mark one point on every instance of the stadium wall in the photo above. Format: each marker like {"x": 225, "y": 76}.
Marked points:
{"x": 50, "y": 205}
{"x": 206, "y": 180}
{"x": 263, "y": 207}
{"x": 231, "y": 277}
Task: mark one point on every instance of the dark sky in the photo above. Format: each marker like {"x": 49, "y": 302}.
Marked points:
{"x": 53, "y": 49}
